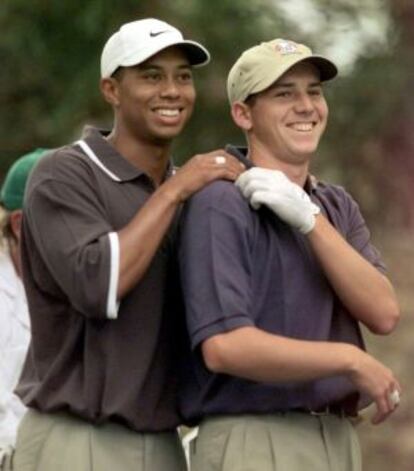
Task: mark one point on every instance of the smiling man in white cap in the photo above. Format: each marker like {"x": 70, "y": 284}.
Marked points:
{"x": 278, "y": 363}
{"x": 97, "y": 235}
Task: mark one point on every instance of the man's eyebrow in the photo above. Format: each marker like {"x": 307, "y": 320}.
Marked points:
{"x": 279, "y": 85}
{"x": 283, "y": 85}
{"x": 147, "y": 66}
{"x": 151, "y": 66}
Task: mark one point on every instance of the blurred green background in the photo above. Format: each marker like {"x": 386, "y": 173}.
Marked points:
{"x": 49, "y": 56}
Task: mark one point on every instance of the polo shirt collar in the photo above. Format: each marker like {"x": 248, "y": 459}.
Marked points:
{"x": 109, "y": 159}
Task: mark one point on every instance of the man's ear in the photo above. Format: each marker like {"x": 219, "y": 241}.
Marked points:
{"x": 110, "y": 90}
{"x": 16, "y": 222}
{"x": 241, "y": 115}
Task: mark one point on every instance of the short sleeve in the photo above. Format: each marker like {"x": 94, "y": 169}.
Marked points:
{"x": 344, "y": 213}
{"x": 67, "y": 225}
{"x": 215, "y": 264}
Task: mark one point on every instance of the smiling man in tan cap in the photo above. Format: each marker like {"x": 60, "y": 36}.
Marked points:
{"x": 278, "y": 363}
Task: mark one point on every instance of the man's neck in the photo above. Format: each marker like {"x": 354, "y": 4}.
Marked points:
{"x": 297, "y": 172}
{"x": 152, "y": 158}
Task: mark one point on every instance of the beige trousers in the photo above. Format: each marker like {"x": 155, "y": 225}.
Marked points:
{"x": 291, "y": 441}
{"x": 6, "y": 458}
{"x": 60, "y": 442}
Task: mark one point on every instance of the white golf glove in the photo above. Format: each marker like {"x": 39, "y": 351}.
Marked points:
{"x": 287, "y": 200}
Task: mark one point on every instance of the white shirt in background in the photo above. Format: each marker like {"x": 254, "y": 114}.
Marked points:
{"x": 14, "y": 341}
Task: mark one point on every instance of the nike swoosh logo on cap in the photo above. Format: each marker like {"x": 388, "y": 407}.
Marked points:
{"x": 152, "y": 34}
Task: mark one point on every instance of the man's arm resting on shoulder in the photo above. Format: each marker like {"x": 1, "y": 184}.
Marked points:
{"x": 140, "y": 239}
{"x": 254, "y": 354}
{"x": 367, "y": 293}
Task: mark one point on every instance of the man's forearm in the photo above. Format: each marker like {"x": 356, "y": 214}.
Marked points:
{"x": 257, "y": 355}
{"x": 140, "y": 239}
{"x": 254, "y": 354}
{"x": 366, "y": 293}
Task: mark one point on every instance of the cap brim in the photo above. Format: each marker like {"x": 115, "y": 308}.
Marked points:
{"x": 196, "y": 53}
{"x": 327, "y": 69}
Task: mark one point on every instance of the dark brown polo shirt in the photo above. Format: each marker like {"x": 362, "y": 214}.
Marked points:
{"x": 90, "y": 355}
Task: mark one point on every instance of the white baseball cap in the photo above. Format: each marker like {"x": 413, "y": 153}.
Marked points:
{"x": 137, "y": 41}
{"x": 261, "y": 65}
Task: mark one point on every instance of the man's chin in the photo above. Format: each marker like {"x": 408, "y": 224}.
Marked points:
{"x": 165, "y": 139}
{"x": 306, "y": 150}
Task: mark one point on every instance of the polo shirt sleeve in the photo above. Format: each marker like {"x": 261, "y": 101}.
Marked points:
{"x": 215, "y": 262}
{"x": 78, "y": 247}
{"x": 358, "y": 234}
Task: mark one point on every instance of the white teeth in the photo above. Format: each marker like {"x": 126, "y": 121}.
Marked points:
{"x": 167, "y": 112}
{"x": 302, "y": 126}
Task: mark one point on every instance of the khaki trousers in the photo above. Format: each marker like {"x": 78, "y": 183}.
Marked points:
{"x": 6, "y": 458}
{"x": 292, "y": 441}
{"x": 61, "y": 442}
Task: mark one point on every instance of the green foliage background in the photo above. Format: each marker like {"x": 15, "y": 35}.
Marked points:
{"x": 50, "y": 53}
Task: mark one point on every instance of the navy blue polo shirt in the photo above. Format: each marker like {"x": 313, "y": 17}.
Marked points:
{"x": 240, "y": 267}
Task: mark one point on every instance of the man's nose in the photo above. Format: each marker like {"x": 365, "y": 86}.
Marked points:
{"x": 170, "y": 88}
{"x": 304, "y": 103}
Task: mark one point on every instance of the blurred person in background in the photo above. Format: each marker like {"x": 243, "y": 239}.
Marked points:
{"x": 97, "y": 238}
{"x": 277, "y": 273}
{"x": 14, "y": 315}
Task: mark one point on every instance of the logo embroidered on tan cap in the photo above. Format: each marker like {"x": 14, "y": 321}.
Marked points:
{"x": 286, "y": 47}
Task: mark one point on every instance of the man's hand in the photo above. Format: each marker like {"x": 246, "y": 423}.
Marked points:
{"x": 286, "y": 199}
{"x": 201, "y": 170}
{"x": 373, "y": 378}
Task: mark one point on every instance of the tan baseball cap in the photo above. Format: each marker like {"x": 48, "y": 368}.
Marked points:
{"x": 260, "y": 66}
